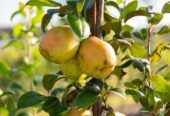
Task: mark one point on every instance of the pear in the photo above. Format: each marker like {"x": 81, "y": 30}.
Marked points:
{"x": 71, "y": 69}
{"x": 59, "y": 44}
{"x": 96, "y": 57}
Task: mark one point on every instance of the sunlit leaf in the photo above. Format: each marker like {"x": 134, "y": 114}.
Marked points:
{"x": 132, "y": 92}
{"x": 119, "y": 1}
{"x": 128, "y": 9}
{"x": 135, "y": 48}
{"x": 4, "y": 111}
{"x": 85, "y": 28}
{"x": 166, "y": 7}
{"x": 80, "y": 6}
{"x": 75, "y": 23}
{"x": 50, "y": 3}
{"x": 156, "y": 19}
{"x": 17, "y": 30}
{"x": 156, "y": 55}
{"x": 30, "y": 98}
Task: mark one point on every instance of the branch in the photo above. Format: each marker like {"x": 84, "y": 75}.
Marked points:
{"x": 93, "y": 16}
{"x": 99, "y": 10}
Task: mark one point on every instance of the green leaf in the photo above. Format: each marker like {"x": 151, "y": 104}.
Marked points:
{"x": 162, "y": 68}
{"x": 17, "y": 30}
{"x": 39, "y": 3}
{"x": 85, "y": 28}
{"x": 112, "y": 3}
{"x": 135, "y": 92}
{"x": 22, "y": 114}
{"x": 75, "y": 23}
{"x": 4, "y": 68}
{"x": 49, "y": 81}
{"x": 164, "y": 30}
{"x": 142, "y": 34}
{"x": 116, "y": 27}
{"x": 156, "y": 19}
{"x": 54, "y": 107}
{"x": 135, "y": 13}
{"x": 156, "y": 55}
{"x": 160, "y": 84}
{"x": 119, "y": 72}
{"x": 135, "y": 48}
{"x": 72, "y": 6}
{"x": 30, "y": 98}
{"x": 125, "y": 63}
{"x": 80, "y": 6}
{"x": 45, "y": 20}
{"x": 119, "y": 1}
{"x": 85, "y": 98}
{"x": 166, "y": 7}
{"x": 4, "y": 111}
{"x": 15, "y": 43}
{"x": 137, "y": 63}
{"x": 127, "y": 28}
{"x": 128, "y": 9}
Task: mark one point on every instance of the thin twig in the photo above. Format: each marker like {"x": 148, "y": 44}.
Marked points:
{"x": 93, "y": 15}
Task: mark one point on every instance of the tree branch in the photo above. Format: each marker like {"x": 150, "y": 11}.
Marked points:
{"x": 93, "y": 16}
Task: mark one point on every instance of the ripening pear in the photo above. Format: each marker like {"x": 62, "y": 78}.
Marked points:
{"x": 59, "y": 44}
{"x": 78, "y": 112}
{"x": 96, "y": 57}
{"x": 71, "y": 69}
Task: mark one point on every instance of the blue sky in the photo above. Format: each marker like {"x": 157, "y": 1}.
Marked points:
{"x": 7, "y": 7}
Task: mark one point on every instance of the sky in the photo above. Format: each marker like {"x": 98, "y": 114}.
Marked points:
{"x": 7, "y": 7}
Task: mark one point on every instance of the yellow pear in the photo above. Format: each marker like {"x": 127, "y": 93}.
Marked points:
{"x": 96, "y": 57}
{"x": 71, "y": 69}
{"x": 78, "y": 112}
{"x": 59, "y": 44}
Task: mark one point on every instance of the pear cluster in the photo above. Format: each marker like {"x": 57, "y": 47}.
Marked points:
{"x": 92, "y": 56}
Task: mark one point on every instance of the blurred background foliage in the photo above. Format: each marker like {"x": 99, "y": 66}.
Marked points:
{"x": 22, "y": 67}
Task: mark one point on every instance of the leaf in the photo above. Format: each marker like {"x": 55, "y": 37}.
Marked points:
{"x": 80, "y": 6}
{"x": 22, "y": 114}
{"x": 30, "y": 98}
{"x": 162, "y": 68}
{"x": 4, "y": 68}
{"x": 116, "y": 27}
{"x": 85, "y": 98}
{"x": 112, "y": 3}
{"x": 164, "y": 30}
{"x": 72, "y": 6}
{"x": 135, "y": 13}
{"x": 166, "y": 7}
{"x": 15, "y": 43}
{"x": 160, "y": 84}
{"x": 40, "y": 3}
{"x": 125, "y": 63}
{"x": 128, "y": 9}
{"x": 119, "y": 1}
{"x": 49, "y": 81}
{"x": 135, "y": 48}
{"x": 75, "y": 24}
{"x": 156, "y": 19}
{"x": 45, "y": 20}
{"x": 17, "y": 30}
{"x": 54, "y": 107}
{"x": 137, "y": 63}
{"x": 119, "y": 72}
{"x": 142, "y": 34}
{"x": 156, "y": 55}
{"x": 4, "y": 111}
{"x": 135, "y": 92}
{"x": 85, "y": 28}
